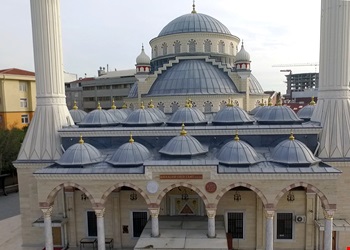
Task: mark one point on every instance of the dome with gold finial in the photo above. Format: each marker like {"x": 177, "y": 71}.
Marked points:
{"x": 232, "y": 115}
{"x": 77, "y": 114}
{"x": 99, "y": 118}
{"x": 237, "y": 152}
{"x": 306, "y": 112}
{"x": 156, "y": 111}
{"x": 183, "y": 145}
{"x": 117, "y": 113}
{"x": 293, "y": 153}
{"x": 142, "y": 117}
{"x": 130, "y": 154}
{"x": 79, "y": 155}
{"x": 257, "y": 108}
{"x": 188, "y": 115}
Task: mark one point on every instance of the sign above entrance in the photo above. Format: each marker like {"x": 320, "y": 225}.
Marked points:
{"x": 180, "y": 176}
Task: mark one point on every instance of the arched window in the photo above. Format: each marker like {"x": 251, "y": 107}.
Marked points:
{"x": 161, "y": 106}
{"x": 207, "y": 45}
{"x": 165, "y": 49}
{"x": 232, "y": 48}
{"x": 221, "y": 47}
{"x": 208, "y": 107}
{"x": 192, "y": 46}
{"x": 174, "y": 106}
{"x": 222, "y": 105}
{"x": 177, "y": 47}
{"x": 155, "y": 51}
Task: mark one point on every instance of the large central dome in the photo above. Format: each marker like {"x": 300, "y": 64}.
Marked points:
{"x": 194, "y": 22}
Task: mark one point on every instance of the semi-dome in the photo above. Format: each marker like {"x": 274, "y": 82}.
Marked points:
{"x": 77, "y": 114}
{"x": 130, "y": 154}
{"x": 232, "y": 115}
{"x": 143, "y": 58}
{"x": 98, "y": 118}
{"x": 242, "y": 55}
{"x": 156, "y": 111}
{"x": 254, "y": 85}
{"x": 292, "y": 152}
{"x": 188, "y": 115}
{"x": 80, "y": 154}
{"x": 237, "y": 152}
{"x": 142, "y": 117}
{"x": 194, "y": 22}
{"x": 117, "y": 113}
{"x": 192, "y": 77}
{"x": 183, "y": 145}
{"x": 306, "y": 112}
{"x": 277, "y": 115}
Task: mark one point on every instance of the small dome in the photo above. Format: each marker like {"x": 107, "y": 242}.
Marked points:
{"x": 98, "y": 118}
{"x": 80, "y": 154}
{"x": 188, "y": 115}
{"x": 257, "y": 108}
{"x": 231, "y": 115}
{"x": 194, "y": 22}
{"x": 293, "y": 153}
{"x": 242, "y": 55}
{"x": 77, "y": 114}
{"x": 156, "y": 111}
{"x": 277, "y": 115}
{"x": 237, "y": 152}
{"x": 143, "y": 59}
{"x": 183, "y": 145}
{"x": 125, "y": 109}
{"x": 306, "y": 112}
{"x": 142, "y": 117}
{"x": 130, "y": 154}
{"x": 117, "y": 113}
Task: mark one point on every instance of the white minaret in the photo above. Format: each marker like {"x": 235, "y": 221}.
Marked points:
{"x": 42, "y": 141}
{"x": 333, "y": 106}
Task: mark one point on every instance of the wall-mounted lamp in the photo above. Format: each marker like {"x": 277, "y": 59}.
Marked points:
{"x": 290, "y": 196}
{"x": 237, "y": 196}
{"x": 133, "y": 196}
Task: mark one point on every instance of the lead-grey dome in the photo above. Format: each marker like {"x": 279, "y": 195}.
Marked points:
{"x": 98, "y": 118}
{"x": 142, "y": 117}
{"x": 306, "y": 112}
{"x": 156, "y": 111}
{"x": 277, "y": 115}
{"x": 183, "y": 145}
{"x": 188, "y": 115}
{"x": 77, "y": 114}
{"x": 117, "y": 113}
{"x": 231, "y": 115}
{"x": 80, "y": 154}
{"x": 292, "y": 152}
{"x": 237, "y": 152}
{"x": 130, "y": 154}
{"x": 192, "y": 77}
{"x": 194, "y": 22}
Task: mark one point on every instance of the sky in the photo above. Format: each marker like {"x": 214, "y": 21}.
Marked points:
{"x": 111, "y": 32}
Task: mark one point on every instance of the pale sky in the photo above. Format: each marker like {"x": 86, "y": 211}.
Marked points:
{"x": 100, "y": 32}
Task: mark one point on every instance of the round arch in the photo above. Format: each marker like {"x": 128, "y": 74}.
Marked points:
{"x": 182, "y": 184}
{"x": 323, "y": 198}
{"x": 246, "y": 185}
{"x": 126, "y": 184}
{"x": 51, "y": 197}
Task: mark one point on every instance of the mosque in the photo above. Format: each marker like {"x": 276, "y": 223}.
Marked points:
{"x": 198, "y": 158}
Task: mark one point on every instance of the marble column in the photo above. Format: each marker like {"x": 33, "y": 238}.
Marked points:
{"x": 211, "y": 222}
{"x": 48, "y": 228}
{"x": 100, "y": 228}
{"x": 328, "y": 228}
{"x": 269, "y": 229}
{"x": 154, "y": 210}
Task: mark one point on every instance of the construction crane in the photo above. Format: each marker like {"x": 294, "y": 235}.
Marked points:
{"x": 295, "y": 65}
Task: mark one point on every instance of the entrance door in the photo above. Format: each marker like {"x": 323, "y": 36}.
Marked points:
{"x": 139, "y": 221}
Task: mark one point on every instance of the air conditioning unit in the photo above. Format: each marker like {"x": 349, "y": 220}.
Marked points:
{"x": 300, "y": 218}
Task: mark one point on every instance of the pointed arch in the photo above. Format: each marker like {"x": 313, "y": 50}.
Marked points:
{"x": 182, "y": 184}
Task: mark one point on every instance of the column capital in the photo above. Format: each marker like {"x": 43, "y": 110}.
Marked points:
{"x": 328, "y": 214}
{"x": 211, "y": 212}
{"x": 47, "y": 211}
{"x": 154, "y": 210}
{"x": 99, "y": 212}
{"x": 269, "y": 213}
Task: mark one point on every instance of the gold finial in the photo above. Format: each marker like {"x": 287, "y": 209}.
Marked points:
{"x": 142, "y": 106}
{"x": 131, "y": 140}
{"x": 150, "y": 105}
{"x": 124, "y": 106}
{"x": 236, "y": 136}
{"x": 269, "y": 102}
{"x": 81, "y": 141}
{"x": 312, "y": 101}
{"x": 229, "y": 103}
{"x": 187, "y": 104}
{"x": 99, "y": 106}
{"x": 291, "y": 137}
{"x": 113, "y": 105}
{"x": 279, "y": 102}
{"x": 183, "y": 131}
{"x": 262, "y": 102}
{"x": 75, "y": 107}
{"x": 194, "y": 7}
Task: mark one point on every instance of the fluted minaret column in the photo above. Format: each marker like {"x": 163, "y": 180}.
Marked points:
{"x": 42, "y": 141}
{"x": 333, "y": 105}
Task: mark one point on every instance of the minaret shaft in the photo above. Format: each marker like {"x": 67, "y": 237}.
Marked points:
{"x": 333, "y": 106}
{"x": 42, "y": 141}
